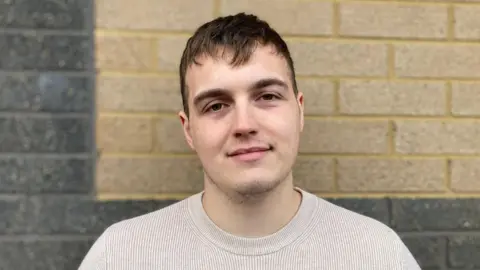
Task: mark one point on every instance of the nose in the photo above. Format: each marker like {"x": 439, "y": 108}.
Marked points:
{"x": 244, "y": 123}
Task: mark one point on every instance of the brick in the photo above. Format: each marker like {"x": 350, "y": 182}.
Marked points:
{"x": 465, "y": 175}
{"x": 467, "y": 22}
{"x": 390, "y": 175}
{"x": 437, "y": 60}
{"x": 45, "y": 93}
{"x": 169, "y": 136}
{"x": 21, "y": 52}
{"x": 429, "y": 251}
{"x": 33, "y": 14}
{"x": 465, "y": 98}
{"x": 463, "y": 251}
{"x": 399, "y": 98}
{"x": 138, "y": 94}
{"x": 124, "y": 134}
{"x": 419, "y": 214}
{"x": 52, "y": 254}
{"x": 437, "y": 137}
{"x": 149, "y": 175}
{"x": 311, "y": 18}
{"x": 52, "y": 175}
{"x": 13, "y": 255}
{"x": 13, "y": 214}
{"x": 45, "y": 135}
{"x": 13, "y": 178}
{"x": 153, "y": 14}
{"x": 374, "y": 208}
{"x": 338, "y": 58}
{"x": 80, "y": 215}
{"x": 170, "y": 49}
{"x": 314, "y": 174}
{"x": 124, "y": 53}
{"x": 344, "y": 136}
{"x": 393, "y": 20}
{"x": 318, "y": 96}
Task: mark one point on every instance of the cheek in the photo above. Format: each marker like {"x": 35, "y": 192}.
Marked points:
{"x": 285, "y": 127}
{"x": 208, "y": 140}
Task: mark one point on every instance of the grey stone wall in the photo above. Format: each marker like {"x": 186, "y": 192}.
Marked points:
{"x": 46, "y": 98}
{"x": 48, "y": 215}
{"x": 48, "y": 219}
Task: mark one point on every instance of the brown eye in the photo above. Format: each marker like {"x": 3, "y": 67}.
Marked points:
{"x": 216, "y": 107}
{"x": 268, "y": 97}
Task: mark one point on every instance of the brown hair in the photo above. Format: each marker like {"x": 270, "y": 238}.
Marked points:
{"x": 238, "y": 34}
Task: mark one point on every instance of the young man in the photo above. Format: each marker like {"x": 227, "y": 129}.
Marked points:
{"x": 243, "y": 116}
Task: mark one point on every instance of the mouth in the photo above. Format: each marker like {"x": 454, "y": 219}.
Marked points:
{"x": 250, "y": 154}
{"x": 250, "y": 150}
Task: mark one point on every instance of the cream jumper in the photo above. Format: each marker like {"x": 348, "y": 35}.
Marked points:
{"x": 181, "y": 236}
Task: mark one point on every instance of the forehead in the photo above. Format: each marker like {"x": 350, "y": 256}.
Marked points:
{"x": 218, "y": 72}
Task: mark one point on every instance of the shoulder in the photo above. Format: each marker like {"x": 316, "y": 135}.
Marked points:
{"x": 153, "y": 223}
{"x": 365, "y": 236}
{"x": 357, "y": 226}
{"x": 346, "y": 218}
{"x": 138, "y": 233}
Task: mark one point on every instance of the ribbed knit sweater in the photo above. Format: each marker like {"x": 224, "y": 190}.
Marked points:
{"x": 321, "y": 235}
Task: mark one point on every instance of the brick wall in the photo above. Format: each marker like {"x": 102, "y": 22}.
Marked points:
{"x": 392, "y": 94}
{"x": 392, "y": 98}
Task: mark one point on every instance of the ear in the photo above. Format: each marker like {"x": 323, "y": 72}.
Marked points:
{"x": 186, "y": 129}
{"x": 301, "y": 106}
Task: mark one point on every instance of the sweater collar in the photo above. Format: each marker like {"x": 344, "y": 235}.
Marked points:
{"x": 297, "y": 226}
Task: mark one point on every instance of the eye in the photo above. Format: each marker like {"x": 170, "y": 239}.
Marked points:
{"x": 268, "y": 97}
{"x": 215, "y": 107}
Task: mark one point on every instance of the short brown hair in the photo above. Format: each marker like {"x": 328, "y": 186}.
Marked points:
{"x": 239, "y": 34}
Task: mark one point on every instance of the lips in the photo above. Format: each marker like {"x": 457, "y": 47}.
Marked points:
{"x": 242, "y": 151}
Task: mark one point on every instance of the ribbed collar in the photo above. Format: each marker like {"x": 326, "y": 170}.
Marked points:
{"x": 297, "y": 226}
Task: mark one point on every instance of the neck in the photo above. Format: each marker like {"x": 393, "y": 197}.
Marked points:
{"x": 254, "y": 216}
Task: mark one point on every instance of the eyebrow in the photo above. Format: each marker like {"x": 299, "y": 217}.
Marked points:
{"x": 268, "y": 82}
{"x": 217, "y": 92}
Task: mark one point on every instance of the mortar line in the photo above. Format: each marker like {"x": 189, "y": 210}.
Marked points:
{"x": 319, "y": 38}
{"x": 391, "y": 61}
{"x": 392, "y": 131}
{"x": 448, "y": 99}
{"x": 217, "y": 8}
{"x": 336, "y": 184}
{"x": 336, "y": 97}
{"x": 448, "y": 174}
{"x": 171, "y": 74}
{"x": 450, "y": 23}
{"x": 336, "y": 19}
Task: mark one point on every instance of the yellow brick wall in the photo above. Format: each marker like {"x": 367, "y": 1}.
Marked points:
{"x": 392, "y": 95}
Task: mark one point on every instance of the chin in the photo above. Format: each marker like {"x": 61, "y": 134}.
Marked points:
{"x": 255, "y": 187}
{"x": 243, "y": 183}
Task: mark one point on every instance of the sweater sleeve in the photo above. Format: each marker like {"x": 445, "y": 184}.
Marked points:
{"x": 96, "y": 257}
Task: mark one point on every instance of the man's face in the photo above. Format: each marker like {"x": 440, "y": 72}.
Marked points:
{"x": 244, "y": 122}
